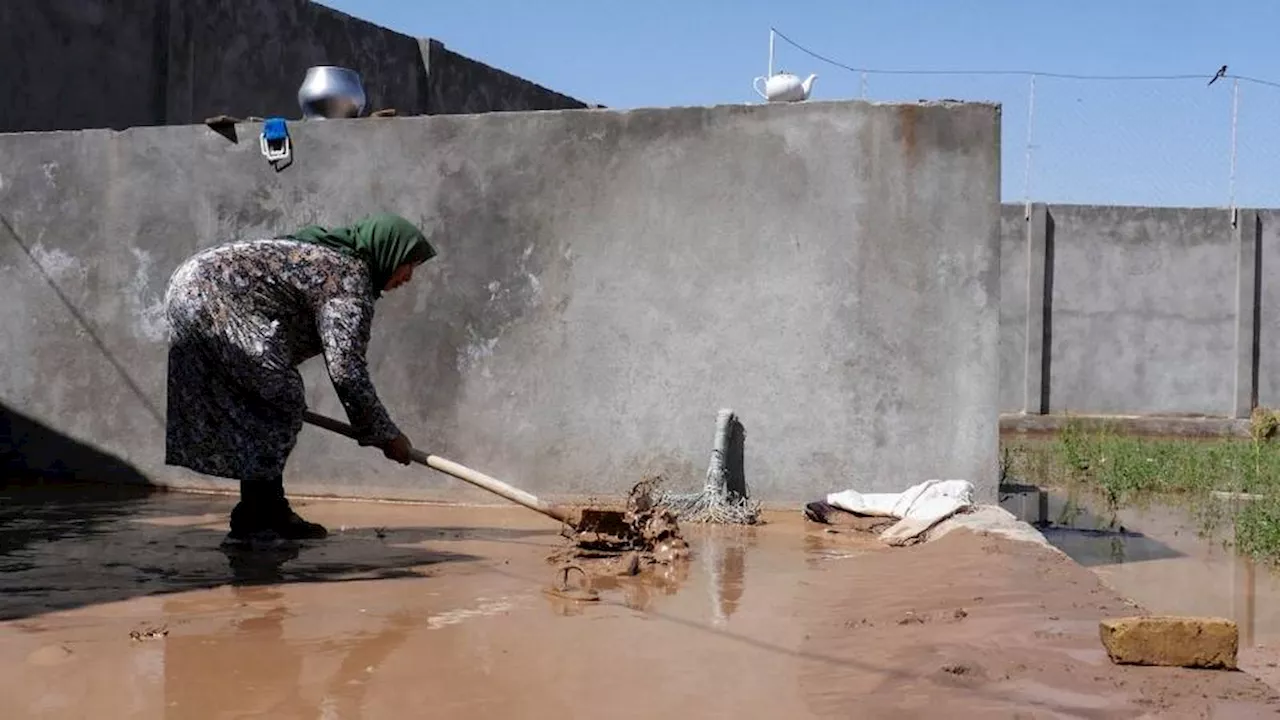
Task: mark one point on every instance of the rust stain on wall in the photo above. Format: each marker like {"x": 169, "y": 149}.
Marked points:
{"x": 909, "y": 116}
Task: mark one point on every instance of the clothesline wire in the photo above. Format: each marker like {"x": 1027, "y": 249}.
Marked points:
{"x": 1024, "y": 73}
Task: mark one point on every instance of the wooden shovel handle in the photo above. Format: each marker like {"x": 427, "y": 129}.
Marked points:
{"x": 466, "y": 474}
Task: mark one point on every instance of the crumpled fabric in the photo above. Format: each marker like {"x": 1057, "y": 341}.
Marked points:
{"x": 917, "y": 509}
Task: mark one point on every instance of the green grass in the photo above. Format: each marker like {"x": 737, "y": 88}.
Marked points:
{"x": 1257, "y": 530}
{"x": 1126, "y": 471}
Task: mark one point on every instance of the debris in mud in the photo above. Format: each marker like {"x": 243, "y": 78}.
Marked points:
{"x": 967, "y": 674}
{"x": 149, "y": 633}
{"x": 911, "y": 618}
{"x": 584, "y": 593}
{"x": 623, "y": 543}
{"x": 826, "y": 514}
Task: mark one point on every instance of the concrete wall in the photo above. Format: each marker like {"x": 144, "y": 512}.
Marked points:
{"x": 1266, "y": 300}
{"x": 68, "y": 64}
{"x": 459, "y": 85}
{"x": 1135, "y": 310}
{"x": 248, "y": 57}
{"x": 72, "y": 64}
{"x": 1013, "y": 304}
{"x": 606, "y": 282}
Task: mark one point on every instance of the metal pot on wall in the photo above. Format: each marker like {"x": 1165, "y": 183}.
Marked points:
{"x": 329, "y": 91}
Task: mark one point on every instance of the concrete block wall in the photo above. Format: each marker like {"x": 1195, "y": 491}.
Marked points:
{"x": 607, "y": 281}
{"x": 459, "y": 85}
{"x": 69, "y": 64}
{"x": 1137, "y": 311}
{"x": 74, "y": 64}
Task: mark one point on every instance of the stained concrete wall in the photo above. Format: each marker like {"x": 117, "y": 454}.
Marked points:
{"x": 72, "y": 64}
{"x": 606, "y": 282}
{"x": 1267, "y": 303}
{"x": 459, "y": 85}
{"x": 1013, "y": 305}
{"x": 1139, "y": 311}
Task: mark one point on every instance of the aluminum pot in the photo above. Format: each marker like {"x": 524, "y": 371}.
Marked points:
{"x": 329, "y": 91}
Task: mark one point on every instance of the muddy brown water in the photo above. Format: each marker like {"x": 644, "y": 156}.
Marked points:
{"x": 1159, "y": 556}
{"x": 128, "y": 609}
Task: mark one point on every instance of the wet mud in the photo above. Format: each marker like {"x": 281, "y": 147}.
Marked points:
{"x": 612, "y": 543}
{"x": 1159, "y": 556}
{"x": 132, "y": 611}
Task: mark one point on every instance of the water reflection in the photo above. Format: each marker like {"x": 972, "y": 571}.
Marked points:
{"x": 1088, "y": 537}
{"x": 250, "y": 656}
{"x": 1157, "y": 556}
{"x": 726, "y": 559}
{"x": 59, "y": 553}
{"x": 261, "y": 658}
{"x": 718, "y": 562}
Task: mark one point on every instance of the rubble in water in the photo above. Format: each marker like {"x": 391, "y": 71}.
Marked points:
{"x": 616, "y": 543}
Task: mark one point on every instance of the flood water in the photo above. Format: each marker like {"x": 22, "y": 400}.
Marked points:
{"x": 1158, "y": 557}
{"x": 127, "y": 608}
{"x": 130, "y": 609}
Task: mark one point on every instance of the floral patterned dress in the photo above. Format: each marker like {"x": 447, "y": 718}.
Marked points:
{"x": 242, "y": 317}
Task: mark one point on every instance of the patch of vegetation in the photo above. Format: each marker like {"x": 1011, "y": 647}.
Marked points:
{"x": 1257, "y": 526}
{"x": 1127, "y": 471}
{"x": 1263, "y": 423}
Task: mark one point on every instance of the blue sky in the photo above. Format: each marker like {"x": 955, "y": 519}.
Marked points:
{"x": 1158, "y": 142}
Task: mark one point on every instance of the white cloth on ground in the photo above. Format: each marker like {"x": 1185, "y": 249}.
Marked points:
{"x": 917, "y": 508}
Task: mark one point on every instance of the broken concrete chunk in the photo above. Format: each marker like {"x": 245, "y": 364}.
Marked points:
{"x": 1191, "y": 642}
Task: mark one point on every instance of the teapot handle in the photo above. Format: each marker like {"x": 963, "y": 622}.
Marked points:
{"x": 756, "y": 84}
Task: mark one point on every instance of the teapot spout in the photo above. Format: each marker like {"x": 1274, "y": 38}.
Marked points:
{"x": 807, "y": 85}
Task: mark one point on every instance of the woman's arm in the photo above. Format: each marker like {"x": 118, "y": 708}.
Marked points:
{"x": 344, "y": 324}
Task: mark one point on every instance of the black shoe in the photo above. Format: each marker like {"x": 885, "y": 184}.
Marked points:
{"x": 270, "y": 524}
{"x": 293, "y": 527}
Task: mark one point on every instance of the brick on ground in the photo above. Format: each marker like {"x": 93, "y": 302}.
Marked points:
{"x": 1193, "y": 642}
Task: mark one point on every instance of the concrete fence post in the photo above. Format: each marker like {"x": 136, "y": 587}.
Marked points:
{"x": 1247, "y": 230}
{"x": 429, "y": 49}
{"x": 1039, "y": 309}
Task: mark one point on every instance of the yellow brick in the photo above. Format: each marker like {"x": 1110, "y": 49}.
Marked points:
{"x": 1192, "y": 642}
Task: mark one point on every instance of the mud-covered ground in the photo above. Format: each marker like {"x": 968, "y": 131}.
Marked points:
{"x": 128, "y": 609}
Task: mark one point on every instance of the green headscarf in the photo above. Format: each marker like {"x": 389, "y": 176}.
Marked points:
{"x": 385, "y": 241}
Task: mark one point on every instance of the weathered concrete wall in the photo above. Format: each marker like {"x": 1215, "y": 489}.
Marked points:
{"x": 606, "y": 282}
{"x": 459, "y": 86}
{"x": 68, "y": 64}
{"x": 1141, "y": 312}
{"x": 1127, "y": 334}
{"x": 1013, "y": 304}
{"x": 1267, "y": 298}
{"x": 72, "y": 64}
{"x": 248, "y": 57}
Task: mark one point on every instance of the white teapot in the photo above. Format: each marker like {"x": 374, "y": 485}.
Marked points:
{"x": 784, "y": 87}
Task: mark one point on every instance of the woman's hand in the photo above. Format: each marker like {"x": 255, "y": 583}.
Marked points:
{"x": 398, "y": 449}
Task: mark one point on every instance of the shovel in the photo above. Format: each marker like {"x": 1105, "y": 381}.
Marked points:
{"x": 581, "y": 520}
